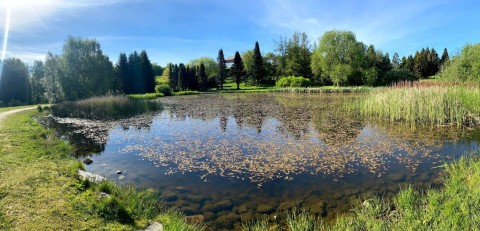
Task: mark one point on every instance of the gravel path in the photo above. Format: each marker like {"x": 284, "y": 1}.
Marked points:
{"x": 7, "y": 113}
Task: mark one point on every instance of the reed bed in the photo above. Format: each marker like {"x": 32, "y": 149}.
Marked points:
{"x": 104, "y": 108}
{"x": 415, "y": 103}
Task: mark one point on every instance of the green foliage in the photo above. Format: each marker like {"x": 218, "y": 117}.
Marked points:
{"x": 37, "y": 89}
{"x": 237, "y": 69}
{"x": 145, "y": 96}
{"x": 222, "y": 68}
{"x": 186, "y": 93}
{"x": 258, "y": 69}
{"x": 173, "y": 220}
{"x": 293, "y": 81}
{"x": 465, "y": 67}
{"x": 106, "y": 107}
{"x": 14, "y": 83}
{"x": 163, "y": 89}
{"x": 337, "y": 56}
{"x": 295, "y": 55}
{"x": 370, "y": 77}
{"x": 211, "y": 68}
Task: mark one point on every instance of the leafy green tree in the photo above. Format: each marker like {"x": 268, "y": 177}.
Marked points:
{"x": 298, "y": 55}
{"x": 281, "y": 50}
{"x": 88, "y": 72}
{"x": 338, "y": 55}
{"x": 370, "y": 77}
{"x": 222, "y": 69}
{"x": 14, "y": 84}
{"x": 121, "y": 81}
{"x": 464, "y": 67}
{"x": 258, "y": 69}
{"x": 237, "y": 69}
{"x": 247, "y": 58}
{"x": 38, "y": 91}
{"x": 54, "y": 71}
{"x": 211, "y": 68}
{"x": 203, "y": 83}
{"x": 147, "y": 72}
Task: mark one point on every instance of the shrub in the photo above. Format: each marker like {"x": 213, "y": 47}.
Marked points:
{"x": 293, "y": 81}
{"x": 164, "y": 89}
{"x": 465, "y": 67}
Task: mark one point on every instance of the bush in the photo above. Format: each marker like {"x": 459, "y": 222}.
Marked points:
{"x": 293, "y": 81}
{"x": 164, "y": 89}
{"x": 465, "y": 67}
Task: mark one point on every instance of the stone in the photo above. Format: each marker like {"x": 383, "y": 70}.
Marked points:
{"x": 247, "y": 217}
{"x": 191, "y": 209}
{"x": 287, "y": 205}
{"x": 195, "y": 198}
{"x": 87, "y": 161}
{"x": 265, "y": 209}
{"x": 90, "y": 176}
{"x": 228, "y": 220}
{"x": 397, "y": 177}
{"x": 154, "y": 226}
{"x": 220, "y": 206}
{"x": 169, "y": 196}
{"x": 119, "y": 171}
{"x": 195, "y": 219}
{"x": 209, "y": 216}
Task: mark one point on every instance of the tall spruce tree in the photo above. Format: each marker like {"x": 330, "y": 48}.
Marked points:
{"x": 147, "y": 72}
{"x": 121, "y": 74}
{"x": 136, "y": 80}
{"x": 258, "y": 70}
{"x": 182, "y": 77}
{"x": 396, "y": 61}
{"x": 445, "y": 57}
{"x": 203, "y": 78}
{"x": 222, "y": 67}
{"x": 237, "y": 69}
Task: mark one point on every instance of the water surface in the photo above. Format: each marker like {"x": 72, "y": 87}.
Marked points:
{"x": 232, "y": 158}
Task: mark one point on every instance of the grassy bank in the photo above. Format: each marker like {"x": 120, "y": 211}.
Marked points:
{"x": 39, "y": 189}
{"x": 424, "y": 105}
{"x": 454, "y": 207}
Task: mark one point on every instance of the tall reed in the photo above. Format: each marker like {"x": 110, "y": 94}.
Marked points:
{"x": 424, "y": 105}
{"x": 104, "y": 108}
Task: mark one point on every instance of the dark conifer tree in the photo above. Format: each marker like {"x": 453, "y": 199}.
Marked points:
{"x": 147, "y": 72}
{"x": 203, "y": 83}
{"x": 221, "y": 69}
{"x": 136, "y": 80}
{"x": 182, "y": 77}
{"x": 238, "y": 69}
{"x": 14, "y": 84}
{"x": 258, "y": 72}
{"x": 445, "y": 57}
{"x": 121, "y": 74}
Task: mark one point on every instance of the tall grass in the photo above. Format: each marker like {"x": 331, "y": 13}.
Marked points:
{"x": 454, "y": 207}
{"x": 146, "y": 96}
{"x": 416, "y": 104}
{"x": 104, "y": 108}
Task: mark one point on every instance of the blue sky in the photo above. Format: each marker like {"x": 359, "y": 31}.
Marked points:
{"x": 181, "y": 30}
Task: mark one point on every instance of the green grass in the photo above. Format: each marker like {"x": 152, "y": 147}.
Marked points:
{"x": 186, "y": 93}
{"x": 39, "y": 188}
{"x": 453, "y": 207}
{"x": 419, "y": 105}
{"x": 145, "y": 96}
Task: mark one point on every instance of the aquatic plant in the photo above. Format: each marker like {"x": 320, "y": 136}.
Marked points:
{"x": 416, "y": 104}
{"x": 104, "y": 108}
{"x": 145, "y": 96}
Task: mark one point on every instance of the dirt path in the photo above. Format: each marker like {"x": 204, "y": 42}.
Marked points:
{"x": 7, "y": 113}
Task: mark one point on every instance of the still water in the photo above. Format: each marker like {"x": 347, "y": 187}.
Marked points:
{"x": 233, "y": 158}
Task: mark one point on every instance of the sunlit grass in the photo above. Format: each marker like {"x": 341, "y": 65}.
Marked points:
{"x": 145, "y": 96}
{"x": 420, "y": 105}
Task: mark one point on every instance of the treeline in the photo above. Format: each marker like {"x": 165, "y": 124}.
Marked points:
{"x": 81, "y": 71}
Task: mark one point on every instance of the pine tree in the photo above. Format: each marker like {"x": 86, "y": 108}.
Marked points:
{"x": 147, "y": 72}
{"x": 203, "y": 78}
{"x": 173, "y": 77}
{"x": 221, "y": 69}
{"x": 121, "y": 74}
{"x": 182, "y": 77}
{"x": 258, "y": 72}
{"x": 445, "y": 57}
{"x": 396, "y": 61}
{"x": 237, "y": 69}
{"x": 135, "y": 77}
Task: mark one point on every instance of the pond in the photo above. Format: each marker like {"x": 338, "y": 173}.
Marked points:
{"x": 233, "y": 158}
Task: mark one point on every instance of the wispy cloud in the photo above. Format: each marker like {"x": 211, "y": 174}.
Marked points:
{"x": 374, "y": 22}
